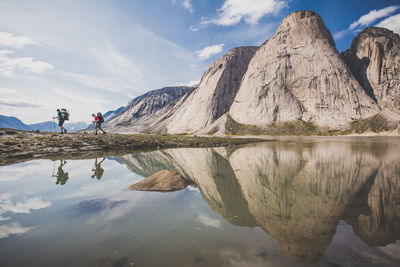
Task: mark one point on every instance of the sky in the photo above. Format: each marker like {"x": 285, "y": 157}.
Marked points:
{"x": 95, "y": 55}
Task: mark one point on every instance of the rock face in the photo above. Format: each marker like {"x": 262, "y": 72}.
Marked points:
{"x": 163, "y": 180}
{"x": 215, "y": 93}
{"x": 109, "y": 115}
{"x": 374, "y": 59}
{"x": 145, "y": 110}
{"x": 298, "y": 73}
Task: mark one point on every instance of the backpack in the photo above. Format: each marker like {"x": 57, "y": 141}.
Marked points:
{"x": 64, "y": 114}
{"x": 101, "y": 119}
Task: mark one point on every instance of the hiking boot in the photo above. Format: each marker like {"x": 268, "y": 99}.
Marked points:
{"x": 65, "y": 130}
{"x": 104, "y": 133}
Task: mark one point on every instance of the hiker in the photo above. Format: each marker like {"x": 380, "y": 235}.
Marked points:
{"x": 98, "y": 120}
{"x": 98, "y": 170}
{"x": 62, "y": 176}
{"x": 62, "y": 116}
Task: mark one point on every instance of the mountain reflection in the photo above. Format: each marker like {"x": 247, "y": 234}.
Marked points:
{"x": 297, "y": 193}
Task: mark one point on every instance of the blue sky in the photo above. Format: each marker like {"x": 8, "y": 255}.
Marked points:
{"x": 96, "y": 55}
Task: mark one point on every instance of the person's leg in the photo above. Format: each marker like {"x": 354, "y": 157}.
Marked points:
{"x": 102, "y": 129}
{"x": 60, "y": 123}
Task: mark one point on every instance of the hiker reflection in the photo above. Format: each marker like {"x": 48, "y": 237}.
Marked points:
{"x": 62, "y": 176}
{"x": 98, "y": 170}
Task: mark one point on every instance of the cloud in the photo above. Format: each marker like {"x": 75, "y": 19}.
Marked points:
{"x": 17, "y": 104}
{"x": 188, "y": 5}
{"x": 372, "y": 16}
{"x": 4, "y": 218}
{"x": 6, "y": 205}
{"x": 9, "y": 65}
{"x": 193, "y": 83}
{"x": 193, "y": 28}
{"x": 8, "y": 39}
{"x": 340, "y": 35}
{"x": 391, "y": 23}
{"x": 233, "y": 11}
{"x": 13, "y": 229}
{"x": 208, "y": 221}
{"x": 209, "y": 51}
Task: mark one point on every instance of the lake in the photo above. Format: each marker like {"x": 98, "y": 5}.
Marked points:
{"x": 300, "y": 201}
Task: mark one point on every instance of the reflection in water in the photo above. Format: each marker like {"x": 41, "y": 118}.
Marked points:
{"x": 297, "y": 194}
{"x": 97, "y": 169}
{"x": 62, "y": 176}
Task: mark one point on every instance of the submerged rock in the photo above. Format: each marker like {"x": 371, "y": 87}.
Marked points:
{"x": 163, "y": 180}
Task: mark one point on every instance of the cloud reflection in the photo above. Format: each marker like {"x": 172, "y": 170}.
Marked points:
{"x": 208, "y": 221}
{"x": 13, "y": 229}
{"x": 25, "y": 206}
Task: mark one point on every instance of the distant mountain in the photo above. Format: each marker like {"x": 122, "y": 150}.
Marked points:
{"x": 51, "y": 126}
{"x": 75, "y": 126}
{"x": 109, "y": 115}
{"x": 13, "y": 123}
{"x": 144, "y": 111}
{"x": 47, "y": 126}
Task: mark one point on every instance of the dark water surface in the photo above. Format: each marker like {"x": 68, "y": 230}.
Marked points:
{"x": 322, "y": 201}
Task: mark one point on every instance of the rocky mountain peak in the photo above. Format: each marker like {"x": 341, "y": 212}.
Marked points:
{"x": 298, "y": 74}
{"x": 374, "y": 59}
{"x": 306, "y": 23}
{"x": 215, "y": 93}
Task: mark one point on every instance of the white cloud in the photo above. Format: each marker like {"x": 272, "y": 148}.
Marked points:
{"x": 7, "y": 205}
{"x": 340, "y": 35}
{"x": 391, "y": 23}
{"x": 208, "y": 221}
{"x": 8, "y": 39}
{"x": 4, "y": 218}
{"x": 209, "y": 51}
{"x": 372, "y": 16}
{"x": 8, "y": 65}
{"x": 193, "y": 83}
{"x": 13, "y": 229}
{"x": 232, "y": 11}
{"x": 188, "y": 5}
{"x": 193, "y": 28}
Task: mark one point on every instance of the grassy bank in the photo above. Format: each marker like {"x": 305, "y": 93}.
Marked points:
{"x": 375, "y": 124}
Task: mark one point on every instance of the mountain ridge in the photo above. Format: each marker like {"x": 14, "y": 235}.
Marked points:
{"x": 297, "y": 81}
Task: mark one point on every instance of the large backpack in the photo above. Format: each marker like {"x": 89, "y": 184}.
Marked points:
{"x": 101, "y": 119}
{"x": 64, "y": 114}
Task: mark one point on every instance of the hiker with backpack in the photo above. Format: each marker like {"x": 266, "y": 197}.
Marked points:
{"x": 98, "y": 120}
{"x": 62, "y": 116}
{"x": 98, "y": 170}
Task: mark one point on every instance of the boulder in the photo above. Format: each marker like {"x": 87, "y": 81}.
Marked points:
{"x": 163, "y": 180}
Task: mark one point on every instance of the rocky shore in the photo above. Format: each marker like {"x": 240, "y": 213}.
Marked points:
{"x": 18, "y": 146}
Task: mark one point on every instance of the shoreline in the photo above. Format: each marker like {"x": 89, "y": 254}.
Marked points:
{"x": 18, "y": 146}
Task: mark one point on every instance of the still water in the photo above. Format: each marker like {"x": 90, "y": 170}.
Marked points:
{"x": 321, "y": 201}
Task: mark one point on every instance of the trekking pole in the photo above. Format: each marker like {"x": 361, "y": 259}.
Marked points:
{"x": 54, "y": 167}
